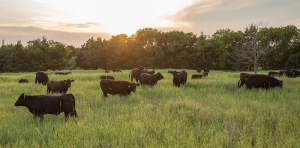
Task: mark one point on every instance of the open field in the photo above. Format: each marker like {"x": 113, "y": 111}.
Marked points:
{"x": 210, "y": 112}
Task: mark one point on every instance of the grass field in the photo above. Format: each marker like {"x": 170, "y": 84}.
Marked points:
{"x": 210, "y": 112}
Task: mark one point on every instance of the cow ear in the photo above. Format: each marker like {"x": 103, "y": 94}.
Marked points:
{"x": 73, "y": 81}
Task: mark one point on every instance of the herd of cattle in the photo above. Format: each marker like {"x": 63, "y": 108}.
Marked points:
{"x": 55, "y": 104}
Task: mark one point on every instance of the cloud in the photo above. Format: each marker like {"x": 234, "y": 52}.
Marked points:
{"x": 12, "y": 34}
{"x": 210, "y": 15}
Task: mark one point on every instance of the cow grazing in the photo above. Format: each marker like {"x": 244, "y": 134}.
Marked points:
{"x": 117, "y": 70}
{"x": 197, "y": 76}
{"x": 205, "y": 73}
{"x": 59, "y": 86}
{"x": 23, "y": 81}
{"x": 107, "y": 77}
{"x": 243, "y": 78}
{"x": 206, "y": 70}
{"x": 262, "y": 81}
{"x": 106, "y": 71}
{"x": 41, "y": 77}
{"x": 199, "y": 70}
{"x": 179, "y": 77}
{"x": 272, "y": 74}
{"x": 48, "y": 104}
{"x": 147, "y": 79}
{"x": 114, "y": 87}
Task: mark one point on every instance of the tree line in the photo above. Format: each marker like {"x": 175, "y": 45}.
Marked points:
{"x": 152, "y": 48}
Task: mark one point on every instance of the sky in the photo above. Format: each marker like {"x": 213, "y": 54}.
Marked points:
{"x": 75, "y": 21}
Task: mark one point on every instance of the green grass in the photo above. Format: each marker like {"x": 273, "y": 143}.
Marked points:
{"x": 210, "y": 112}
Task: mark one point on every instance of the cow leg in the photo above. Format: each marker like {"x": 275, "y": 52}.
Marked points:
{"x": 104, "y": 94}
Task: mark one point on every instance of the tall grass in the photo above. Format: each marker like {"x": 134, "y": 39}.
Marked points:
{"x": 210, "y": 112}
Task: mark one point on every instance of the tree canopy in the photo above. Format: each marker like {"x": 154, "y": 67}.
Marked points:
{"x": 155, "y": 49}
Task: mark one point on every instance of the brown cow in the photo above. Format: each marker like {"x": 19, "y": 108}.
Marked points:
{"x": 23, "y": 81}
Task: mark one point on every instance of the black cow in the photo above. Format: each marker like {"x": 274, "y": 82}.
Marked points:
{"x": 272, "y": 74}
{"x": 23, "y": 81}
{"x": 243, "y": 78}
{"x": 147, "y": 79}
{"x": 199, "y": 70}
{"x": 41, "y": 77}
{"x": 281, "y": 72}
{"x": 179, "y": 77}
{"x": 290, "y": 73}
{"x": 48, "y": 104}
{"x": 106, "y": 77}
{"x": 206, "y": 70}
{"x": 197, "y": 76}
{"x": 106, "y": 71}
{"x": 117, "y": 70}
{"x": 262, "y": 81}
{"x": 205, "y": 73}
{"x": 59, "y": 86}
{"x": 114, "y": 87}
{"x": 136, "y": 73}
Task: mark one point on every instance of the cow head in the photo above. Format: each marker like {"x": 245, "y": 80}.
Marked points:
{"x": 159, "y": 76}
{"x": 132, "y": 86}
{"x": 68, "y": 82}
{"x": 21, "y": 100}
{"x": 141, "y": 68}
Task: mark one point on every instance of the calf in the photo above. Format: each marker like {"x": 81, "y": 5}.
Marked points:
{"x": 197, "y": 76}
{"x": 272, "y": 74}
{"x": 179, "y": 77}
{"x": 23, "y": 81}
{"x": 49, "y": 104}
{"x": 114, "y": 87}
{"x": 262, "y": 81}
{"x": 147, "y": 79}
{"x": 59, "y": 86}
{"x": 107, "y": 77}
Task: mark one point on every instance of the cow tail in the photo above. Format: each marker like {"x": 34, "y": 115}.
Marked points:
{"x": 74, "y": 113}
{"x": 129, "y": 75}
{"x": 239, "y": 83}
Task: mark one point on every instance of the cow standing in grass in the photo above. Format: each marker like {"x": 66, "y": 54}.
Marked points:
{"x": 262, "y": 81}
{"x": 41, "y": 77}
{"x": 48, "y": 104}
{"x": 147, "y": 79}
{"x": 179, "y": 77}
{"x": 59, "y": 86}
{"x": 114, "y": 87}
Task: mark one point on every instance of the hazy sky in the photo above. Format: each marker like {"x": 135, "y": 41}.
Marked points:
{"x": 75, "y": 21}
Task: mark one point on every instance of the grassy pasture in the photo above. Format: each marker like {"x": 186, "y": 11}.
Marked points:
{"x": 210, "y": 112}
